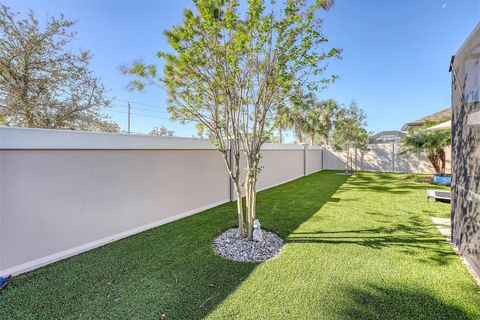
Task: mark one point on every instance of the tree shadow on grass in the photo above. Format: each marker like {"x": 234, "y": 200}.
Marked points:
{"x": 413, "y": 237}
{"x": 170, "y": 270}
{"x": 426, "y": 247}
{"x": 381, "y": 302}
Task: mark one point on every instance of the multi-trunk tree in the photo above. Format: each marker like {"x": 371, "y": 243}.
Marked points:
{"x": 231, "y": 72}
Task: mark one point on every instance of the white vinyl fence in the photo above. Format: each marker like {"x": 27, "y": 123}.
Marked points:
{"x": 384, "y": 157}
{"x": 66, "y": 192}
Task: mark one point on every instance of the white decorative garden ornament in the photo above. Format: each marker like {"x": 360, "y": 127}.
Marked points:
{"x": 257, "y": 231}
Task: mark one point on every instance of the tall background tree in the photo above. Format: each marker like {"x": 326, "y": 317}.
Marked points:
{"x": 318, "y": 121}
{"x": 349, "y": 132}
{"x": 43, "y": 84}
{"x": 328, "y": 110}
{"x": 282, "y": 121}
{"x": 231, "y": 73}
{"x": 310, "y": 119}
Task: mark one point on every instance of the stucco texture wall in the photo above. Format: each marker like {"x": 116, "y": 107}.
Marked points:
{"x": 466, "y": 149}
{"x": 64, "y": 192}
{"x": 53, "y": 200}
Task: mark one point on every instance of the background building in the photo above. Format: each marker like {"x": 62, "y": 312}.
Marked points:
{"x": 386, "y": 136}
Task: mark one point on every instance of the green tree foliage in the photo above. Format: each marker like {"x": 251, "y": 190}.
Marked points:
{"x": 281, "y": 122}
{"x": 433, "y": 143}
{"x": 162, "y": 131}
{"x": 319, "y": 120}
{"x": 231, "y": 72}
{"x": 349, "y": 132}
{"x": 101, "y": 125}
{"x": 297, "y": 113}
{"x": 327, "y": 111}
{"x": 42, "y": 84}
{"x": 309, "y": 118}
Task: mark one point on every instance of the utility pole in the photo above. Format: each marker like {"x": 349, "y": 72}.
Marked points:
{"x": 128, "y": 117}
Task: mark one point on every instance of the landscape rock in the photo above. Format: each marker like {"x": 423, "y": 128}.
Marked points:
{"x": 230, "y": 246}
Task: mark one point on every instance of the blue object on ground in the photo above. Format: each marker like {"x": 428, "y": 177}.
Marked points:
{"x": 4, "y": 282}
{"x": 442, "y": 180}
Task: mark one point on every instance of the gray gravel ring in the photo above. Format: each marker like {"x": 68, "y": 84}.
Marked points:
{"x": 230, "y": 246}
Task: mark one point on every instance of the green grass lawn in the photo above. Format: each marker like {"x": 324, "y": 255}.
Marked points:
{"x": 361, "y": 247}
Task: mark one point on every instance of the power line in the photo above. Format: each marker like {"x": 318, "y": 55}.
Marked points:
{"x": 140, "y": 108}
{"x": 138, "y": 114}
{"x": 141, "y": 103}
{"x": 144, "y": 109}
{"x": 129, "y": 105}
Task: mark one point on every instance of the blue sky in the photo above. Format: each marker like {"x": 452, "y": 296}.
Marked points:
{"x": 395, "y": 52}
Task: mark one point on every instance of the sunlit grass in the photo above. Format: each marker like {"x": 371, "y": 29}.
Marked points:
{"x": 356, "y": 248}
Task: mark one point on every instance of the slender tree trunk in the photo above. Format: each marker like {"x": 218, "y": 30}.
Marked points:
{"x": 298, "y": 134}
{"x": 29, "y": 119}
{"x": 280, "y": 135}
{"x": 251, "y": 195}
{"x": 30, "y": 123}
{"x": 253, "y": 208}
{"x": 248, "y": 202}
{"x": 434, "y": 161}
{"x": 235, "y": 177}
{"x": 238, "y": 190}
{"x": 252, "y": 205}
{"x": 241, "y": 223}
{"x": 443, "y": 160}
{"x": 326, "y": 140}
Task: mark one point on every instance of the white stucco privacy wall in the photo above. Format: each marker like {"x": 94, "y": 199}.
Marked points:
{"x": 65, "y": 192}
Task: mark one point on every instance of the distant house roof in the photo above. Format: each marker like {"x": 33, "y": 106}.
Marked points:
{"x": 443, "y": 115}
{"x": 386, "y": 136}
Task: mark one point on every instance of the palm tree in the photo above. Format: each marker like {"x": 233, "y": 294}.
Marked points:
{"x": 329, "y": 108}
{"x": 319, "y": 120}
{"x": 298, "y": 114}
{"x": 307, "y": 117}
{"x": 282, "y": 121}
{"x": 313, "y": 123}
{"x": 433, "y": 143}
